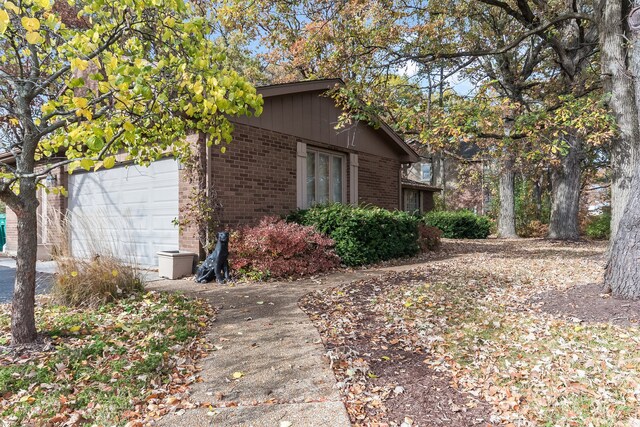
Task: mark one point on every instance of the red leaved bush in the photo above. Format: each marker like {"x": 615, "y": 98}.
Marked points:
{"x": 429, "y": 237}
{"x": 275, "y": 248}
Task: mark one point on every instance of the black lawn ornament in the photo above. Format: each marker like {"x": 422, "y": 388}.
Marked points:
{"x": 217, "y": 264}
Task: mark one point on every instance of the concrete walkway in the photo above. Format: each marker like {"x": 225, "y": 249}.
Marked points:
{"x": 263, "y": 334}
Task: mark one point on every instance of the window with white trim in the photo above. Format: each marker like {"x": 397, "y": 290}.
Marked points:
{"x": 326, "y": 177}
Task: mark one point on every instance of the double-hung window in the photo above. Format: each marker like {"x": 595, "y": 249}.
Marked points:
{"x": 326, "y": 173}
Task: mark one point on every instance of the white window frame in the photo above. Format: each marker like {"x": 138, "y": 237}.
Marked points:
{"x": 313, "y": 151}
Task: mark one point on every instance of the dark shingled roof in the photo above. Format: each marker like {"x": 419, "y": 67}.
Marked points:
{"x": 417, "y": 185}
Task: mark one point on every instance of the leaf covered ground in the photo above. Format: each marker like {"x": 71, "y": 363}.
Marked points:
{"x": 124, "y": 363}
{"x": 463, "y": 340}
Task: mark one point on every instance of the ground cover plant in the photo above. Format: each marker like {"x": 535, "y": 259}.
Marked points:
{"x": 479, "y": 339}
{"x": 363, "y": 234}
{"x": 128, "y": 361}
{"x": 277, "y": 249}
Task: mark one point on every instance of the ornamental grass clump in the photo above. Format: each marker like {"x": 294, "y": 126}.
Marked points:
{"x": 277, "y": 249}
{"x": 94, "y": 282}
{"x": 105, "y": 275}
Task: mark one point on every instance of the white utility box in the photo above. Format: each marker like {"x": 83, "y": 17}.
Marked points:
{"x": 175, "y": 264}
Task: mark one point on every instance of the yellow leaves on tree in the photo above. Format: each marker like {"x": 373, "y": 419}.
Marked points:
{"x": 4, "y": 21}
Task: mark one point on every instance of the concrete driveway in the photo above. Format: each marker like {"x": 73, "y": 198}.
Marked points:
{"x": 44, "y": 278}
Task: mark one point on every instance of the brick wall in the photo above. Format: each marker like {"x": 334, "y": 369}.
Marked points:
{"x": 12, "y": 231}
{"x": 256, "y": 176}
{"x": 56, "y": 205}
{"x": 188, "y": 234}
{"x": 427, "y": 201}
{"x": 379, "y": 181}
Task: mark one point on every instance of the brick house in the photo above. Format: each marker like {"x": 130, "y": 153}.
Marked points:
{"x": 289, "y": 157}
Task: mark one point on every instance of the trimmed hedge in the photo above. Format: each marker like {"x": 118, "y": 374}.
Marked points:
{"x": 364, "y": 235}
{"x": 460, "y": 224}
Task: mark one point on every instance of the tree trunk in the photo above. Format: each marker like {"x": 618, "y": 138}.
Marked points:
{"x": 622, "y": 275}
{"x": 619, "y": 85}
{"x": 565, "y": 194}
{"x": 507, "y": 215}
{"x": 23, "y": 324}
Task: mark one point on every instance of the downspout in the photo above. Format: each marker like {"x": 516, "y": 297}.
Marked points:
{"x": 209, "y": 183}
{"x": 400, "y": 195}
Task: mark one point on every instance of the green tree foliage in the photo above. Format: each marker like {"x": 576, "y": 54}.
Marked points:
{"x": 81, "y": 82}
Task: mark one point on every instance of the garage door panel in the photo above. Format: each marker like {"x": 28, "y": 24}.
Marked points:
{"x": 129, "y": 211}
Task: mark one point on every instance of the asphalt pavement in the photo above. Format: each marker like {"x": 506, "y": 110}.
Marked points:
{"x": 44, "y": 278}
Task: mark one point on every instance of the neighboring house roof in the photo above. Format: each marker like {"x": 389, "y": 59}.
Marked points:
{"x": 416, "y": 185}
{"x": 467, "y": 151}
{"x": 325, "y": 85}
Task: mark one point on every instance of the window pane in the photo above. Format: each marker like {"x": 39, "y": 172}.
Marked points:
{"x": 426, "y": 171}
{"x": 336, "y": 179}
{"x": 411, "y": 200}
{"x": 311, "y": 178}
{"x": 323, "y": 178}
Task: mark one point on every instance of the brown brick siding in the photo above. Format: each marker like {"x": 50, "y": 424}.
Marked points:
{"x": 189, "y": 233}
{"x": 379, "y": 181}
{"x": 256, "y": 176}
{"x": 427, "y": 201}
{"x": 12, "y": 231}
{"x": 56, "y": 208}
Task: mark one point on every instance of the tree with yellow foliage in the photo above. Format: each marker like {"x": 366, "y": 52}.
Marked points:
{"x": 82, "y": 82}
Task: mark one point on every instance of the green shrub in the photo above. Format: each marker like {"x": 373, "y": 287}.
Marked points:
{"x": 364, "y": 235}
{"x": 599, "y": 227}
{"x": 461, "y": 224}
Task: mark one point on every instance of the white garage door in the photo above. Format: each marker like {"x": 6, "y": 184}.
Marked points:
{"x": 126, "y": 211}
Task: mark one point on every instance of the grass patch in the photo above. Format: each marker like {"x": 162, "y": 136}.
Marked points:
{"x": 107, "y": 365}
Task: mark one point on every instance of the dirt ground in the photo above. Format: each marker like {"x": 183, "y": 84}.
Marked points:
{"x": 426, "y": 346}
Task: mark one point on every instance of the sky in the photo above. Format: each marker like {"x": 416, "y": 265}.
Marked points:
{"x": 461, "y": 84}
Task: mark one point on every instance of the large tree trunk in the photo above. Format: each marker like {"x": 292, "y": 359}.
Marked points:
{"x": 23, "y": 324}
{"x": 619, "y": 85}
{"x": 565, "y": 190}
{"x": 507, "y": 215}
{"x": 622, "y": 275}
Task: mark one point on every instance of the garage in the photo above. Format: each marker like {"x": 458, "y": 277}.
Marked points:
{"x": 128, "y": 211}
